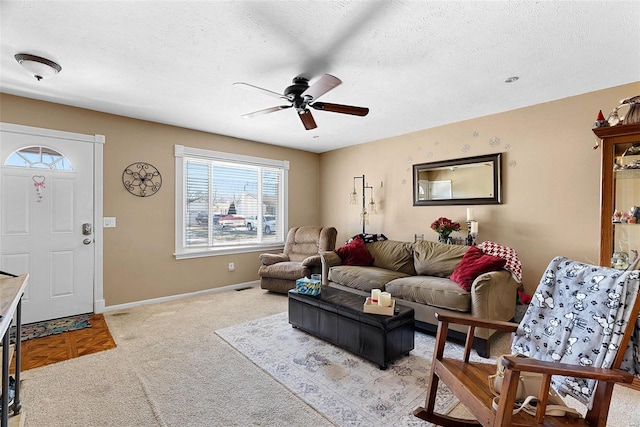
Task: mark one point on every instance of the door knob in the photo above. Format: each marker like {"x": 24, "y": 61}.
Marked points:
{"x": 87, "y": 241}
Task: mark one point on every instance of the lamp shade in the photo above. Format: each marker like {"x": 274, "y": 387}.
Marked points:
{"x": 364, "y": 219}
{"x": 372, "y": 207}
{"x": 38, "y": 67}
{"x": 353, "y": 197}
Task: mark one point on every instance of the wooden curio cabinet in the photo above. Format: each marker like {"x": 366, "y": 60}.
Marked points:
{"x": 620, "y": 193}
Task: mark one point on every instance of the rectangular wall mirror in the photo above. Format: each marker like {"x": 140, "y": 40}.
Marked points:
{"x": 469, "y": 181}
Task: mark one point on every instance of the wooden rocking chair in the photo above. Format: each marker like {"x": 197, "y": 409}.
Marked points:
{"x": 552, "y": 349}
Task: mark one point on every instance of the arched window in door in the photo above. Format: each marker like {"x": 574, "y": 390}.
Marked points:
{"x": 37, "y": 157}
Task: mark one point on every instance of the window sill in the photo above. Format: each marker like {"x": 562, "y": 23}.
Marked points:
{"x": 207, "y": 252}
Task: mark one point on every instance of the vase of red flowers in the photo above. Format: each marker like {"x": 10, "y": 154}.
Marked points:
{"x": 444, "y": 227}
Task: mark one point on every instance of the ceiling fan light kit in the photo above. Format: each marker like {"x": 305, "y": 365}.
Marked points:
{"x": 37, "y": 66}
{"x": 301, "y": 96}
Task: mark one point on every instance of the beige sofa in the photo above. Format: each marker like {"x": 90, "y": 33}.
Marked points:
{"x": 417, "y": 276}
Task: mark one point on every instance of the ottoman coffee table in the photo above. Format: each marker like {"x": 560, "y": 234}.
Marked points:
{"x": 337, "y": 316}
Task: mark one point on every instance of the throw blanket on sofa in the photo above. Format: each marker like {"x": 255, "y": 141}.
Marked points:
{"x": 578, "y": 315}
{"x": 513, "y": 264}
{"x": 368, "y": 238}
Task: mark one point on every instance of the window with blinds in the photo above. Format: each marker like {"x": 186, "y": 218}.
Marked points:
{"x": 228, "y": 203}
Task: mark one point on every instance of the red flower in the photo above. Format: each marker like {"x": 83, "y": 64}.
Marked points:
{"x": 444, "y": 226}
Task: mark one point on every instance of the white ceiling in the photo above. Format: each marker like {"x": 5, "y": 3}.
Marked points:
{"x": 415, "y": 64}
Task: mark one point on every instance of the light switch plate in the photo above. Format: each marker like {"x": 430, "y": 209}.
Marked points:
{"x": 109, "y": 221}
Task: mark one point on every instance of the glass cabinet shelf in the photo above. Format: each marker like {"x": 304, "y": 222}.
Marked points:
{"x": 627, "y": 174}
{"x": 620, "y": 192}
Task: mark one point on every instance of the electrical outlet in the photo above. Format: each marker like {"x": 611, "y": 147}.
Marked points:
{"x": 232, "y": 266}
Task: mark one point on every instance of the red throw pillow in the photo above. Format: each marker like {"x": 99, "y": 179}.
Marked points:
{"x": 355, "y": 253}
{"x": 474, "y": 263}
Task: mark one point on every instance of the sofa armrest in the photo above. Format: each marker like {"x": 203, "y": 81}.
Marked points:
{"x": 493, "y": 296}
{"x": 269, "y": 259}
{"x": 329, "y": 259}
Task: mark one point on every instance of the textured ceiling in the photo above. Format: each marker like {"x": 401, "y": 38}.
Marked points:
{"x": 415, "y": 64}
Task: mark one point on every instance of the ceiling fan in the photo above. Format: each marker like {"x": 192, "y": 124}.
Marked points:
{"x": 301, "y": 96}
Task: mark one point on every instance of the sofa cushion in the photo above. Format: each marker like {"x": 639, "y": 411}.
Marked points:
{"x": 284, "y": 270}
{"x": 355, "y": 253}
{"x": 474, "y": 263}
{"x": 362, "y": 278}
{"x": 434, "y": 291}
{"x": 393, "y": 255}
{"x": 437, "y": 259}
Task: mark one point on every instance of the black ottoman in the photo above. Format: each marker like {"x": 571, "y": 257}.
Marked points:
{"x": 336, "y": 316}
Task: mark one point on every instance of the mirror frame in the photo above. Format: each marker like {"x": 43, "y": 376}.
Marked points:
{"x": 496, "y": 159}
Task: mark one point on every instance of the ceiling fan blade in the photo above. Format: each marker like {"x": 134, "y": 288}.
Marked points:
{"x": 265, "y": 111}
{"x": 339, "y": 108}
{"x": 307, "y": 120}
{"x": 322, "y": 86}
{"x": 259, "y": 89}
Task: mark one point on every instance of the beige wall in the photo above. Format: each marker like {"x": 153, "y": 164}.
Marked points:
{"x": 551, "y": 180}
{"x": 138, "y": 253}
{"x": 551, "y": 194}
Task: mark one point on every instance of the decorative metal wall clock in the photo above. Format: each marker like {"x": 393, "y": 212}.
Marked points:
{"x": 141, "y": 179}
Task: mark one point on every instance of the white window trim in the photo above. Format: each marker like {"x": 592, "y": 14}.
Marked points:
{"x": 187, "y": 253}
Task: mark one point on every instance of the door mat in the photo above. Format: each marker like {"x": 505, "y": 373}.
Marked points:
{"x": 51, "y": 327}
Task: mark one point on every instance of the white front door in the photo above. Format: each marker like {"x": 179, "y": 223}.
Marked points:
{"x": 46, "y": 221}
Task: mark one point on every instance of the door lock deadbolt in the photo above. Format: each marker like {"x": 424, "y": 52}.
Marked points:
{"x": 86, "y": 229}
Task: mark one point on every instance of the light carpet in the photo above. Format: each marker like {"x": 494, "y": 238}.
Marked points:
{"x": 171, "y": 369}
{"x": 347, "y": 389}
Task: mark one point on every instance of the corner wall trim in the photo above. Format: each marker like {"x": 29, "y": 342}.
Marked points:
{"x": 98, "y": 306}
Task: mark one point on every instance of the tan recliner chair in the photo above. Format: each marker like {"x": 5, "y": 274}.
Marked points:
{"x": 301, "y": 257}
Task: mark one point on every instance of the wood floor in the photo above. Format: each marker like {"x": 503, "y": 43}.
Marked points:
{"x": 67, "y": 345}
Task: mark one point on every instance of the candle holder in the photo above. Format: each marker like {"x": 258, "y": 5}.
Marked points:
{"x": 472, "y": 234}
{"x": 374, "y": 308}
{"x": 471, "y": 239}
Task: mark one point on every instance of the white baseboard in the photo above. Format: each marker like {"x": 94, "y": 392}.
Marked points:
{"x": 180, "y": 296}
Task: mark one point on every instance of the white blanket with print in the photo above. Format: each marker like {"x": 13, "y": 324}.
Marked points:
{"x": 578, "y": 315}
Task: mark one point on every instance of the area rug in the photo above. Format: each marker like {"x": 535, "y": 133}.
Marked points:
{"x": 51, "y": 327}
{"x": 346, "y": 389}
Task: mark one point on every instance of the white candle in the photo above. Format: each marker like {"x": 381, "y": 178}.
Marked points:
{"x": 375, "y": 295}
{"x": 469, "y": 214}
{"x": 385, "y": 299}
{"x": 474, "y": 227}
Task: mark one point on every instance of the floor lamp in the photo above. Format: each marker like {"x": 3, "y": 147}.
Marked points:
{"x": 364, "y": 215}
